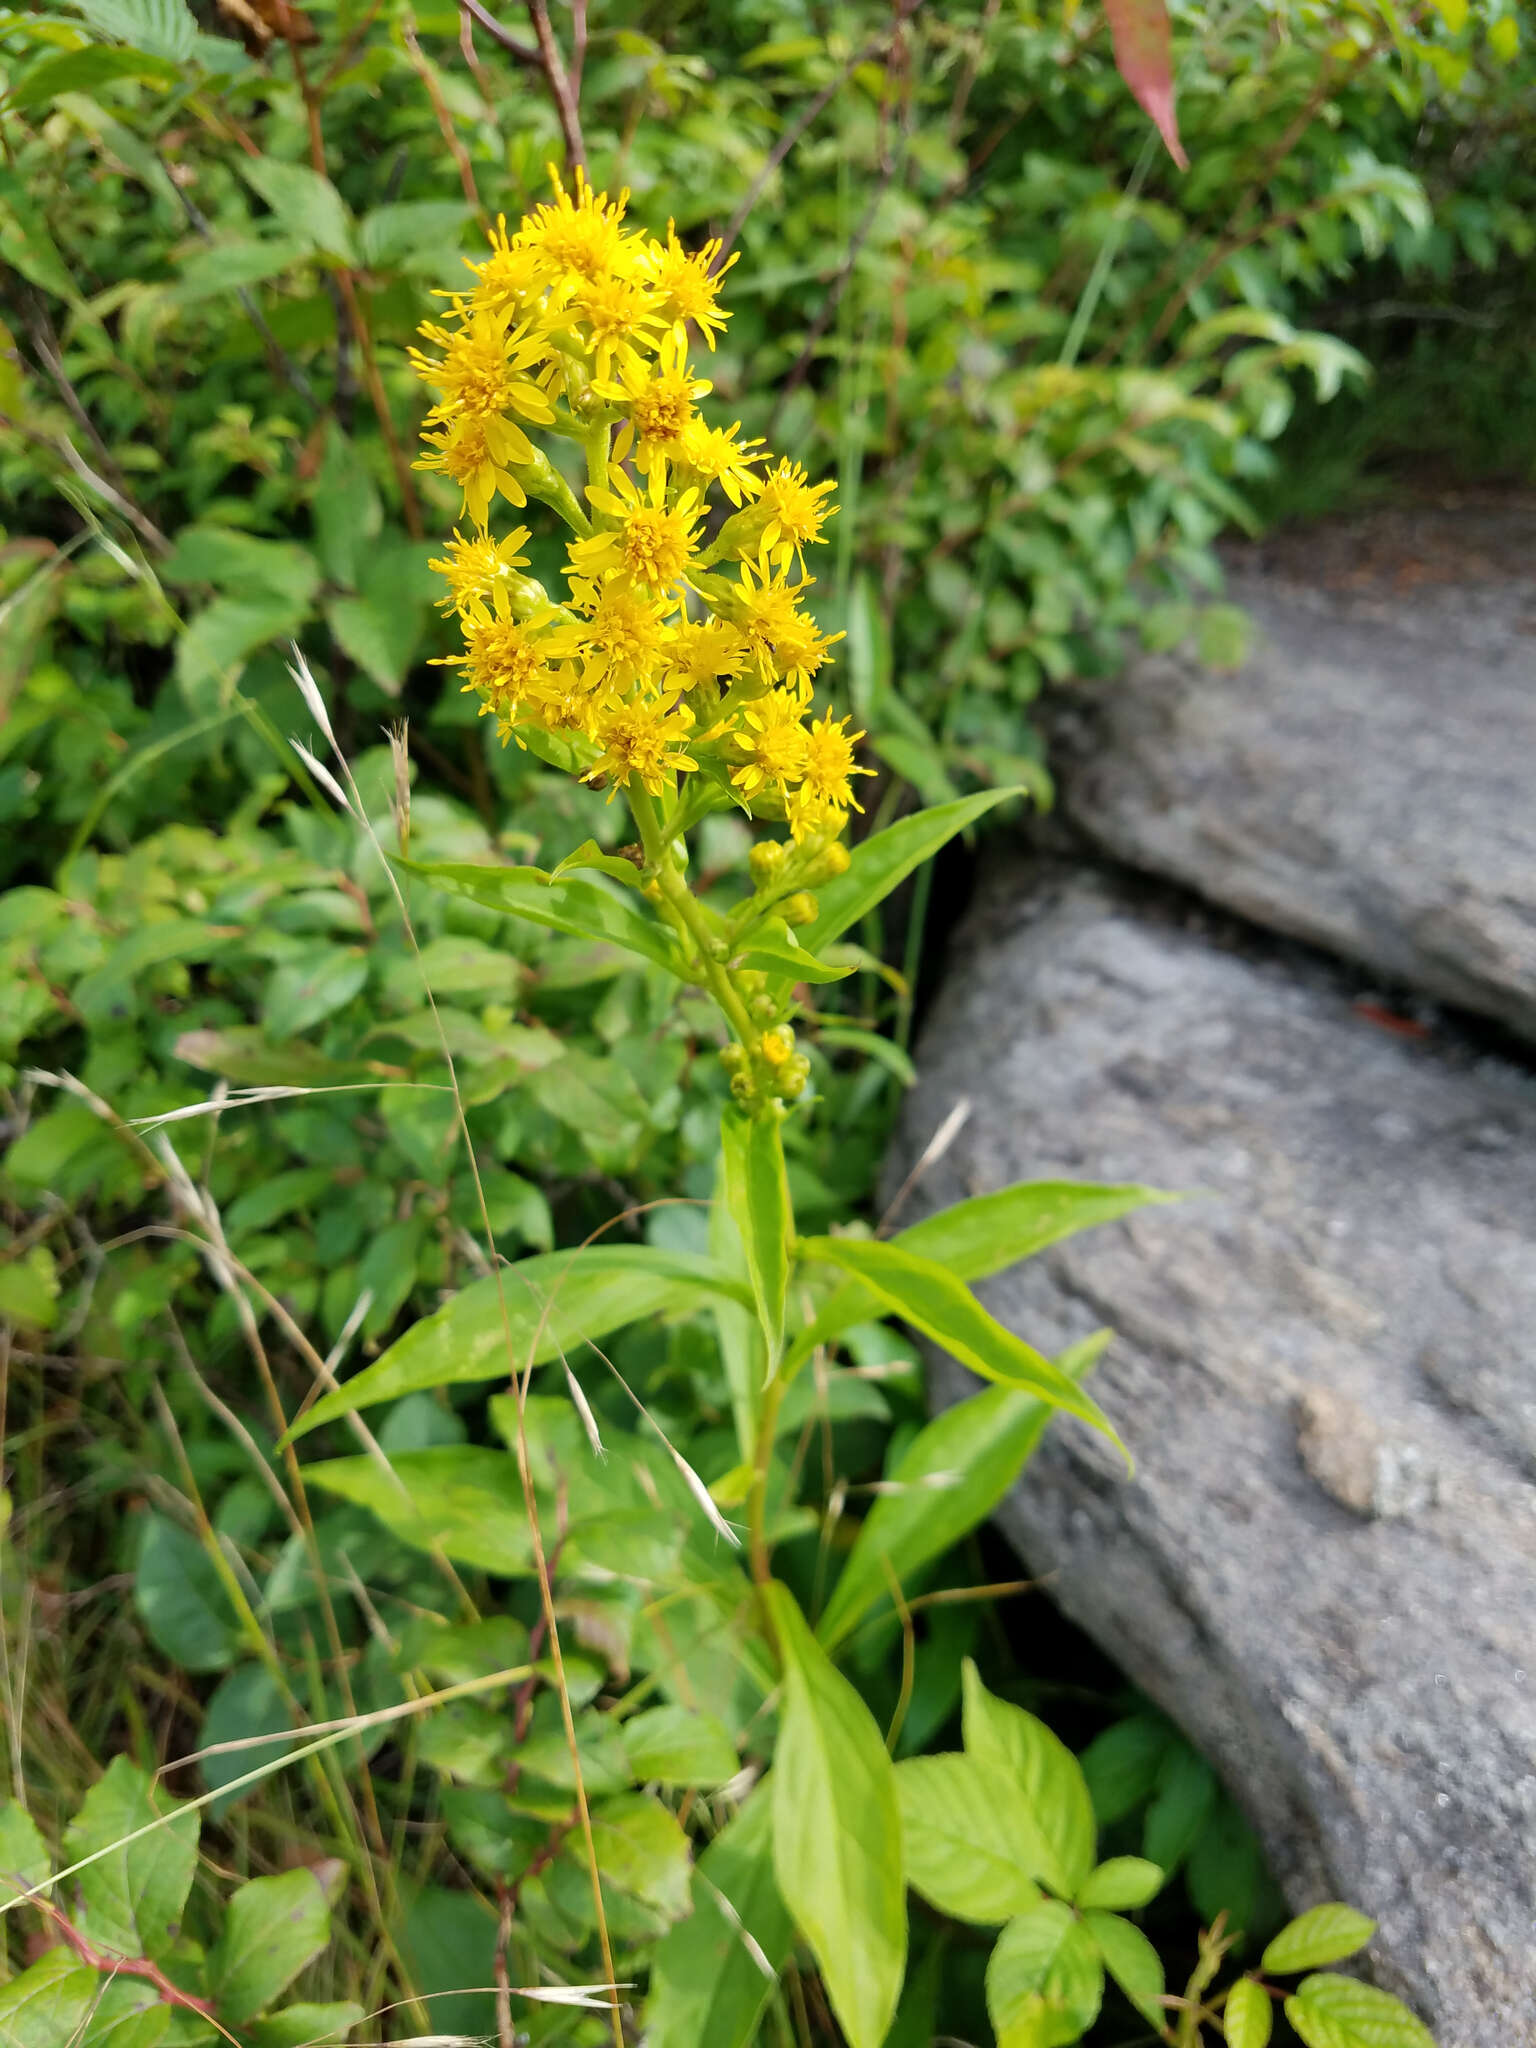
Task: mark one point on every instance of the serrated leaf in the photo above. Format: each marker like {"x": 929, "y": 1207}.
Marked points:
{"x": 713, "y": 1975}
{"x": 181, "y": 1600}
{"x": 86, "y": 70}
{"x": 924, "y": 1294}
{"x": 272, "y": 1927}
{"x": 1045, "y": 1982}
{"x": 24, "y": 1859}
{"x": 1131, "y": 1960}
{"x": 969, "y": 1843}
{"x": 1247, "y": 2018}
{"x": 884, "y": 860}
{"x": 46, "y": 2006}
{"x": 1339, "y": 2012}
{"x": 584, "y": 910}
{"x": 674, "y": 1745}
{"x": 132, "y": 1898}
{"x": 1326, "y": 1934}
{"x": 1122, "y": 1884}
{"x": 837, "y": 1832}
{"x": 386, "y": 234}
{"x": 982, "y": 1444}
{"x": 1004, "y": 1739}
{"x": 554, "y": 1302}
{"x": 161, "y": 28}
{"x": 306, "y": 204}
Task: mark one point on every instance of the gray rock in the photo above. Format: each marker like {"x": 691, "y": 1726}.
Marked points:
{"x": 1324, "y": 1565}
{"x": 1367, "y": 781}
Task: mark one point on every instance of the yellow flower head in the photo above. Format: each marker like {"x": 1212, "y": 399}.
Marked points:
{"x": 796, "y": 512}
{"x": 512, "y": 276}
{"x": 659, "y": 401}
{"x": 714, "y": 456}
{"x": 473, "y": 568}
{"x": 767, "y": 610}
{"x": 578, "y": 235}
{"x": 651, "y": 542}
{"x": 700, "y": 651}
{"x": 684, "y": 287}
{"x": 647, "y": 740}
{"x": 771, "y": 739}
{"x": 829, "y": 764}
{"x": 613, "y": 318}
{"x": 623, "y": 636}
{"x": 479, "y": 376}
{"x": 476, "y": 454}
{"x": 503, "y": 657}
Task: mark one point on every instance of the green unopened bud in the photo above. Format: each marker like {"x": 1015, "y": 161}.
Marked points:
{"x": 742, "y": 1089}
{"x": 733, "y": 1058}
{"x": 801, "y": 908}
{"x": 791, "y": 1081}
{"x": 766, "y": 859}
{"x": 835, "y": 861}
{"x": 764, "y": 1009}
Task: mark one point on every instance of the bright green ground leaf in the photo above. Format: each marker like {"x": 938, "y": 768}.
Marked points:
{"x": 966, "y": 1839}
{"x": 1004, "y": 1739}
{"x": 272, "y": 1927}
{"x": 1044, "y": 1979}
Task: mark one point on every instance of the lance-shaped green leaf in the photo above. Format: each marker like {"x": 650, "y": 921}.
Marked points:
{"x": 774, "y": 949}
{"x": 977, "y": 1448}
{"x": 715, "y": 1971}
{"x": 752, "y": 1171}
{"x": 837, "y": 1832}
{"x": 466, "y": 1501}
{"x": 554, "y": 1302}
{"x": 982, "y": 1236}
{"x": 580, "y": 908}
{"x": 886, "y": 858}
{"x": 930, "y": 1298}
{"x": 1131, "y": 1960}
{"x": 590, "y": 855}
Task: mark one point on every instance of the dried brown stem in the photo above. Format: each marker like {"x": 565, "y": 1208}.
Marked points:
{"x": 561, "y": 89}
{"x": 451, "y": 137}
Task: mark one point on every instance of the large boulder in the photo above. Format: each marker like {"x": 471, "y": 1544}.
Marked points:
{"x": 1367, "y": 780}
{"x": 1324, "y": 1564}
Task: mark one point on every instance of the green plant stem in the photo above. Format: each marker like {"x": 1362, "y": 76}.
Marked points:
{"x": 685, "y": 914}
{"x": 757, "y": 1499}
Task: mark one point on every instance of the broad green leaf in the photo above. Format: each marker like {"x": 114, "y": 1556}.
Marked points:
{"x": 84, "y": 70}
{"x": 459, "y": 1498}
{"x": 1003, "y": 1738}
{"x": 554, "y": 1302}
{"x": 1044, "y": 1979}
{"x": 387, "y": 234}
{"x": 1122, "y": 1764}
{"x": 272, "y": 1927}
{"x": 582, "y": 909}
{"x": 1226, "y": 1872}
{"x": 303, "y": 992}
{"x": 1247, "y": 2018}
{"x": 25, "y": 242}
{"x": 752, "y": 1164}
{"x": 923, "y": 1294}
{"x": 1122, "y": 1884}
{"x": 46, "y": 2006}
{"x": 24, "y": 1859}
{"x": 1326, "y": 1934}
{"x": 162, "y": 28}
{"x": 248, "y": 1702}
{"x": 221, "y": 639}
{"x": 642, "y": 1854}
{"x": 127, "y": 2013}
{"x": 29, "y": 1289}
{"x": 1186, "y": 1793}
{"x": 967, "y": 1839}
{"x": 886, "y": 858}
{"x": 215, "y": 268}
{"x": 307, "y": 2026}
{"x": 379, "y": 633}
{"x": 837, "y": 1832}
{"x": 674, "y": 1746}
{"x": 590, "y": 855}
{"x": 180, "y": 1598}
{"x": 132, "y": 1899}
{"x": 983, "y": 1442}
{"x": 306, "y": 204}
{"x": 982, "y": 1236}
{"x": 449, "y": 1939}
{"x": 1131, "y": 1960}
{"x": 1338, "y": 2012}
{"x": 714, "y": 1973}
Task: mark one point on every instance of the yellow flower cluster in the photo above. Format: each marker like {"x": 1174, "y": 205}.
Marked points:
{"x": 682, "y": 646}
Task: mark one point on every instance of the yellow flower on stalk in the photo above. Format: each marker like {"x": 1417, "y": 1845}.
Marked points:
{"x": 623, "y": 637}
{"x": 772, "y": 740}
{"x": 613, "y": 318}
{"x": 503, "y": 657}
{"x": 702, "y": 650}
{"x": 474, "y": 567}
{"x": 796, "y": 512}
{"x": 683, "y": 285}
{"x": 478, "y": 375}
{"x": 820, "y": 806}
{"x": 578, "y": 235}
{"x": 645, "y": 740}
{"x": 476, "y": 454}
{"x": 653, "y": 542}
{"x": 714, "y": 456}
{"x": 512, "y": 275}
{"x": 659, "y": 401}
{"x": 800, "y": 649}
{"x": 766, "y": 608}
{"x": 566, "y": 698}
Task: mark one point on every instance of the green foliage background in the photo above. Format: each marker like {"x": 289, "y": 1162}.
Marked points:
{"x": 1047, "y": 371}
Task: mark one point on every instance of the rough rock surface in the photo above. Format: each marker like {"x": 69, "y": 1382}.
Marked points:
{"x": 1324, "y": 1565}
{"x": 1367, "y": 780}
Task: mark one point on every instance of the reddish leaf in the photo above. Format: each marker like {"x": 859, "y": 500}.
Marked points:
{"x": 1143, "y": 42}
